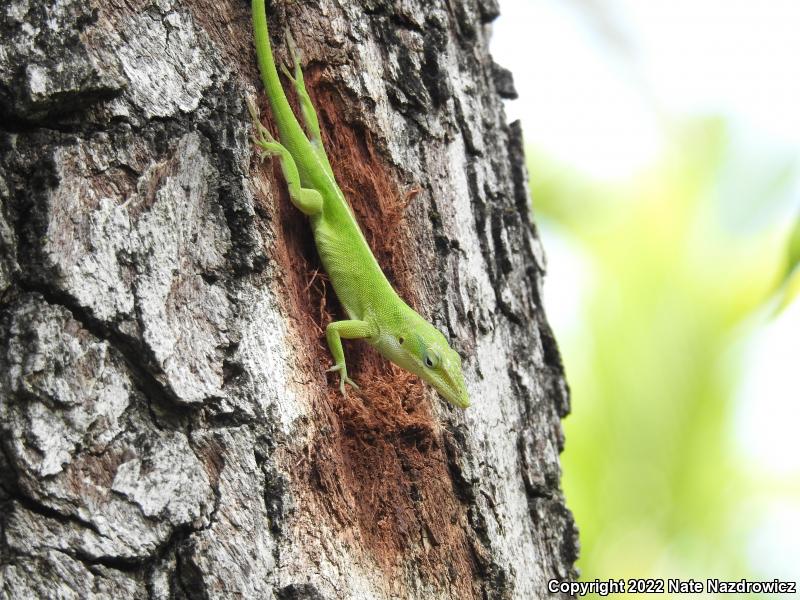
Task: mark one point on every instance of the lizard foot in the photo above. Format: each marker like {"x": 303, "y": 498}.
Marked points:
{"x": 267, "y": 144}
{"x": 342, "y": 370}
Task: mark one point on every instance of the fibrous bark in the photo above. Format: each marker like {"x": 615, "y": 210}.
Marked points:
{"x": 167, "y": 427}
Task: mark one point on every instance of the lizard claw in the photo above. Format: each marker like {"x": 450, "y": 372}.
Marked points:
{"x": 261, "y": 134}
{"x": 288, "y": 74}
{"x": 253, "y": 110}
{"x": 346, "y": 379}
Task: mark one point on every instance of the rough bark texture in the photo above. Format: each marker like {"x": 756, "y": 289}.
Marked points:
{"x": 167, "y": 427}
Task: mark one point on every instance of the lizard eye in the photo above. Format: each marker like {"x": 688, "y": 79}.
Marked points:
{"x": 431, "y": 360}
{"x": 400, "y": 340}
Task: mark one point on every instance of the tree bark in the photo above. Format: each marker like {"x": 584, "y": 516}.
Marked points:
{"x": 168, "y": 430}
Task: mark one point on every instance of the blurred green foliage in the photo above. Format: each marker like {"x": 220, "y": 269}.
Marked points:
{"x": 789, "y": 287}
{"x": 653, "y": 361}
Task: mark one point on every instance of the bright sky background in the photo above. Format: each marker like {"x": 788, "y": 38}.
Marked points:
{"x": 598, "y": 104}
{"x": 595, "y": 78}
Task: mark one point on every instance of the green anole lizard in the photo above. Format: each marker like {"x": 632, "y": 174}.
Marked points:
{"x": 375, "y": 311}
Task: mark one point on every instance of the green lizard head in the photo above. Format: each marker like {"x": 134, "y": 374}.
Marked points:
{"x": 424, "y": 351}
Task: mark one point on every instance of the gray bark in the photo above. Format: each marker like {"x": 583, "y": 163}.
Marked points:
{"x": 168, "y": 430}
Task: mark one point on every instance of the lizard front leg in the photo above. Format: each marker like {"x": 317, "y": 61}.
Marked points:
{"x": 349, "y": 330}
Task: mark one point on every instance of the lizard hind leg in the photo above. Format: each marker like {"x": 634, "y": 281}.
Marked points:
{"x": 310, "y": 118}
{"x": 306, "y": 106}
{"x": 307, "y": 200}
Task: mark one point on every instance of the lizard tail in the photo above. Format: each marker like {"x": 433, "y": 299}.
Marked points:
{"x": 288, "y": 127}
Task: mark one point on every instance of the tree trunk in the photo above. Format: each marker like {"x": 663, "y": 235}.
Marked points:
{"x": 168, "y": 430}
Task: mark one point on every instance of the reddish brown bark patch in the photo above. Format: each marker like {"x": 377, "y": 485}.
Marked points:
{"x": 381, "y": 471}
{"x": 377, "y": 466}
